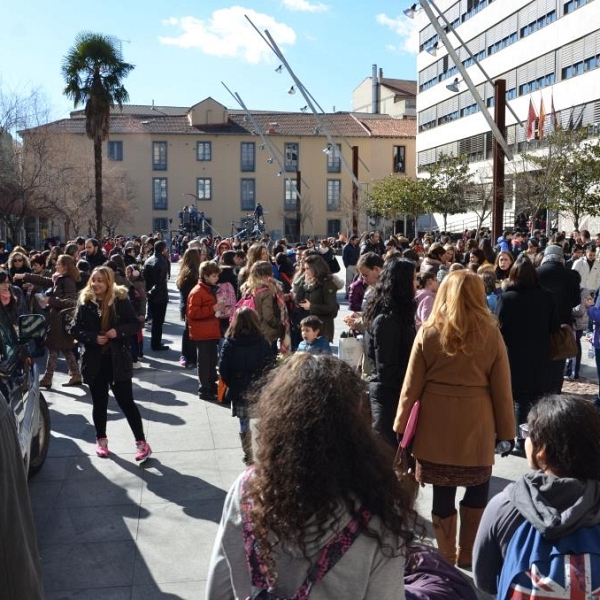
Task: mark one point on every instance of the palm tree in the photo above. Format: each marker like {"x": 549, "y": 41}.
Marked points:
{"x": 93, "y": 70}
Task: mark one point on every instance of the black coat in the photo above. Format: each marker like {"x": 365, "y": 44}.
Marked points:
{"x": 156, "y": 273}
{"x": 87, "y": 326}
{"x": 243, "y": 360}
{"x": 389, "y": 343}
{"x": 564, "y": 286}
{"x": 527, "y": 318}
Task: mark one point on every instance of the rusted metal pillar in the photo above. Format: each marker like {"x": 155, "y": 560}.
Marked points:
{"x": 355, "y": 190}
{"x": 298, "y": 206}
{"x": 498, "y": 160}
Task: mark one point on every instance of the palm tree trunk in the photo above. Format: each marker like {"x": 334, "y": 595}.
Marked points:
{"x": 98, "y": 185}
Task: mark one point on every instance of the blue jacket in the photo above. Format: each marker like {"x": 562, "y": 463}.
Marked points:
{"x": 319, "y": 346}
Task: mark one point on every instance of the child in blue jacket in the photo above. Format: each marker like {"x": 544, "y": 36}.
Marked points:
{"x": 312, "y": 340}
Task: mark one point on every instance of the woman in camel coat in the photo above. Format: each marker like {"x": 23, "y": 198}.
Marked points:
{"x": 459, "y": 369}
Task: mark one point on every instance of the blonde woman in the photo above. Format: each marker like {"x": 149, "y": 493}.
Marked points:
{"x": 270, "y": 304}
{"x": 62, "y": 297}
{"x": 104, "y": 323}
{"x": 459, "y": 370}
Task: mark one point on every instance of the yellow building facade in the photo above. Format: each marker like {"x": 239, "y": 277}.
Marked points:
{"x": 224, "y": 162}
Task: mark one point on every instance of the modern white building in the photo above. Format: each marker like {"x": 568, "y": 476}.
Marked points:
{"x": 546, "y": 49}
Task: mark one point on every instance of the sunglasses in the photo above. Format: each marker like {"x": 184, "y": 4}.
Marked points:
{"x": 17, "y": 260}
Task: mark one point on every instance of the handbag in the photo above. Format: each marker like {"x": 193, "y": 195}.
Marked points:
{"x": 350, "y": 349}
{"x": 562, "y": 343}
{"x": 404, "y": 463}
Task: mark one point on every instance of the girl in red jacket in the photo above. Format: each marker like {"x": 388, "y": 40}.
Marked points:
{"x": 205, "y": 328}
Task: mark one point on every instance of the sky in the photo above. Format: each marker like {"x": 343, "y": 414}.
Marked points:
{"x": 183, "y": 50}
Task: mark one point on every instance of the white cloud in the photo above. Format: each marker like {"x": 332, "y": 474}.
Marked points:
{"x": 405, "y": 28}
{"x": 305, "y": 6}
{"x": 228, "y": 33}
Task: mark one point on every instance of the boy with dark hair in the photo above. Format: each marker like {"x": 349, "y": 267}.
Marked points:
{"x": 312, "y": 340}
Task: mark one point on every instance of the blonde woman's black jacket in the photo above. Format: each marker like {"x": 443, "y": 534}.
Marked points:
{"x": 87, "y": 326}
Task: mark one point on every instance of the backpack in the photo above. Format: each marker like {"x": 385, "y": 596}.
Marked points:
{"x": 226, "y": 295}
{"x": 246, "y": 300}
{"x": 536, "y": 567}
{"x": 330, "y": 554}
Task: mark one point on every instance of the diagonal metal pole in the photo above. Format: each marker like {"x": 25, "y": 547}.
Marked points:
{"x": 489, "y": 79}
{"x": 467, "y": 79}
{"x": 263, "y": 138}
{"x": 307, "y": 97}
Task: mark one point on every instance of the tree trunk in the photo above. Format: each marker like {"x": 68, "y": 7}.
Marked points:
{"x": 98, "y": 185}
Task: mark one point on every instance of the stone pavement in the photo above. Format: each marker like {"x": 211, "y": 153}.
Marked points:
{"x": 111, "y": 529}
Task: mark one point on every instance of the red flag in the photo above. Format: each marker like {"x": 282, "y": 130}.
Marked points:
{"x": 542, "y": 119}
{"x": 531, "y": 119}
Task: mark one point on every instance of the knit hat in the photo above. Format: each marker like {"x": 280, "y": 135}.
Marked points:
{"x": 554, "y": 250}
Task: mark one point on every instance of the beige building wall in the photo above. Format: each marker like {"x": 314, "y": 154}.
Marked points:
{"x": 133, "y": 176}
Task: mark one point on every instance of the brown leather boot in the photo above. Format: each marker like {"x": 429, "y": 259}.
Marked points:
{"x": 246, "y": 439}
{"x": 469, "y": 523}
{"x": 445, "y": 534}
{"x": 46, "y": 381}
{"x": 74, "y": 380}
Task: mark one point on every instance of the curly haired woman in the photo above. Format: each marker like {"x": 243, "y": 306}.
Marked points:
{"x": 318, "y": 468}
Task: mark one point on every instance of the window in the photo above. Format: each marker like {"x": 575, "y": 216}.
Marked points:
{"x": 399, "y": 159}
{"x": 204, "y": 151}
{"x": 291, "y": 156}
{"x": 247, "y": 156}
{"x": 538, "y": 24}
{"x": 160, "y": 224}
{"x": 159, "y": 156}
{"x": 115, "y": 150}
{"x": 334, "y": 158}
{"x": 334, "y": 226}
{"x": 334, "y": 192}
{"x": 290, "y": 194}
{"x": 204, "y": 188}
{"x": 248, "y": 194}
{"x": 159, "y": 193}
{"x": 573, "y": 5}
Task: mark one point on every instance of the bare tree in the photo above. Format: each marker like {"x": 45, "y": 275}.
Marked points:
{"x": 24, "y": 176}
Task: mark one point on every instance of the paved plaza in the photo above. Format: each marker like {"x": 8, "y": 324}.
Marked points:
{"x": 112, "y": 530}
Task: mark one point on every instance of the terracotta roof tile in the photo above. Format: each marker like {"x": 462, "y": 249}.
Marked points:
{"x": 340, "y": 124}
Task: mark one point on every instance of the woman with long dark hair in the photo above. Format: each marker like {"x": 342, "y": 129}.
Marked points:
{"x": 459, "y": 370}
{"x": 316, "y": 293}
{"x": 187, "y": 278}
{"x": 389, "y": 320}
{"x": 526, "y": 311}
{"x": 320, "y": 474}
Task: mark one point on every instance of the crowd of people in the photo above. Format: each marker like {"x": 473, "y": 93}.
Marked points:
{"x": 459, "y": 328}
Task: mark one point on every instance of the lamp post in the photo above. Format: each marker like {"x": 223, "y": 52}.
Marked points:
{"x": 498, "y": 160}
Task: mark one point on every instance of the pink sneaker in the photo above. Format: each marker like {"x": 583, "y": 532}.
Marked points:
{"x": 143, "y": 451}
{"x": 102, "y": 447}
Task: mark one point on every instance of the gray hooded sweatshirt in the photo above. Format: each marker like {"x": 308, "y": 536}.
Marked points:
{"x": 555, "y": 506}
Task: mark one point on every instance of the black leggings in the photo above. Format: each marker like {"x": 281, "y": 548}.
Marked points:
{"x": 123, "y": 395}
{"x": 444, "y": 498}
